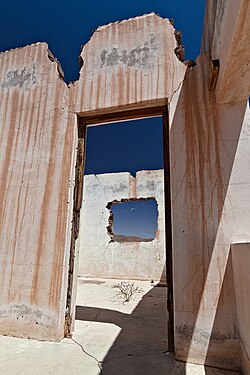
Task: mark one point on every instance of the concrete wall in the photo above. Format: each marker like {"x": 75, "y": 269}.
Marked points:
{"x": 135, "y": 67}
{"x": 211, "y": 205}
{"x": 38, "y": 141}
{"x": 210, "y": 158}
{"x": 133, "y": 260}
{"x": 226, "y": 37}
{"x": 240, "y": 264}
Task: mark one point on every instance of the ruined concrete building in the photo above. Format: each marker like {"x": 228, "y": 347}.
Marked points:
{"x": 131, "y": 70}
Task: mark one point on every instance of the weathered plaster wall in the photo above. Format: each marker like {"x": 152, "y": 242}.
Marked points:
{"x": 226, "y": 37}
{"x": 240, "y": 253}
{"x": 38, "y": 149}
{"x": 128, "y": 64}
{"x": 210, "y": 159}
{"x": 98, "y": 257}
{"x": 37, "y": 139}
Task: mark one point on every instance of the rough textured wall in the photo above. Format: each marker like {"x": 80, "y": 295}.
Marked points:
{"x": 37, "y": 138}
{"x": 226, "y": 36}
{"x": 38, "y": 146}
{"x": 210, "y": 195}
{"x": 128, "y": 63}
{"x": 240, "y": 253}
{"x": 98, "y": 257}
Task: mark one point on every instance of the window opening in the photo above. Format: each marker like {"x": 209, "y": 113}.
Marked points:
{"x": 133, "y": 220}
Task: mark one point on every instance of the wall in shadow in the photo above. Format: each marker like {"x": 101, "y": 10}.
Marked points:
{"x": 225, "y": 327}
{"x": 205, "y": 138}
{"x": 240, "y": 255}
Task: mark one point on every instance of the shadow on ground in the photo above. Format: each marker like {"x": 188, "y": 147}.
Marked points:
{"x": 141, "y": 346}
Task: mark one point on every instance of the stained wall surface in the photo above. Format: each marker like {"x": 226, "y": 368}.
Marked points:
{"x": 210, "y": 196}
{"x": 101, "y": 258}
{"x": 226, "y": 37}
{"x": 37, "y": 141}
{"x": 209, "y": 140}
{"x": 128, "y": 64}
{"x": 134, "y": 66}
{"x": 240, "y": 253}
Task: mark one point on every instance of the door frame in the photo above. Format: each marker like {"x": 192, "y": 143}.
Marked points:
{"x": 83, "y": 120}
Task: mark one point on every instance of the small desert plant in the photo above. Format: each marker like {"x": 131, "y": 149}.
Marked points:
{"x": 127, "y": 290}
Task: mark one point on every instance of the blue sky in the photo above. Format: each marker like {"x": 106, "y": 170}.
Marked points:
{"x": 128, "y": 146}
{"x": 66, "y": 25}
{"x": 137, "y": 218}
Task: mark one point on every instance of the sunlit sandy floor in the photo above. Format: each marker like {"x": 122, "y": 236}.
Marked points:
{"x": 112, "y": 337}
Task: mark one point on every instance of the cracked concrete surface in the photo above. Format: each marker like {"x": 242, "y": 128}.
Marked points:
{"x": 111, "y": 337}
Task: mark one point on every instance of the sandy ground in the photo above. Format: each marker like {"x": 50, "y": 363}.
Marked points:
{"x": 111, "y": 337}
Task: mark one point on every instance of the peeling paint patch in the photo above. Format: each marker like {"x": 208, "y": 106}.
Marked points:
{"x": 92, "y": 282}
{"x": 22, "y": 79}
{"x": 25, "y": 312}
{"x": 150, "y": 185}
{"x": 140, "y": 57}
{"x": 118, "y": 188}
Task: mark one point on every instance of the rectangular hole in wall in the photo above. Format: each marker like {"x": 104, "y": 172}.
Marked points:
{"x": 134, "y": 220}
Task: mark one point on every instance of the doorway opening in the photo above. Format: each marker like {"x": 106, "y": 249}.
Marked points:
{"x": 111, "y": 189}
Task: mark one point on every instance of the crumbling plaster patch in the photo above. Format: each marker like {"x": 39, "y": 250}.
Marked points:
{"x": 140, "y": 56}
{"x": 22, "y": 78}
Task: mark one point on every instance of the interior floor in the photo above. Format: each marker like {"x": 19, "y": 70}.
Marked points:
{"x": 112, "y": 336}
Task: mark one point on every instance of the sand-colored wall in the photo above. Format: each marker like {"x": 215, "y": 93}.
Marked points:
{"x": 240, "y": 253}
{"x": 37, "y": 142}
{"x": 210, "y": 189}
{"x": 210, "y": 196}
{"x": 128, "y": 64}
{"x": 226, "y": 38}
{"x": 100, "y": 258}
{"x": 210, "y": 158}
